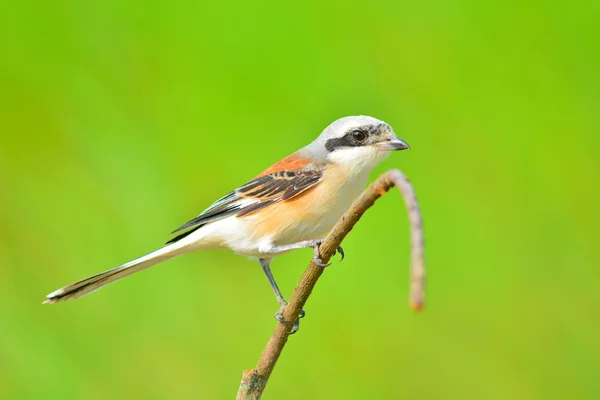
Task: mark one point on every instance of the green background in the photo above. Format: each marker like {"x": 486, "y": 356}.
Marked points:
{"x": 119, "y": 122}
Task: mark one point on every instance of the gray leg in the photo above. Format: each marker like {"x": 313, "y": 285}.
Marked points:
{"x": 301, "y": 245}
{"x": 265, "y": 264}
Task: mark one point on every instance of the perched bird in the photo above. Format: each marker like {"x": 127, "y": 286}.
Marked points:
{"x": 291, "y": 205}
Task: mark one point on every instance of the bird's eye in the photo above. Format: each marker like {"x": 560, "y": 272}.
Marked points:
{"x": 359, "y": 135}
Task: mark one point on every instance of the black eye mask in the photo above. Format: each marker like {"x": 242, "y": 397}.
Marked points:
{"x": 373, "y": 135}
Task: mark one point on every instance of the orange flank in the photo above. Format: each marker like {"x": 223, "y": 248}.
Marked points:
{"x": 290, "y": 163}
{"x": 309, "y": 212}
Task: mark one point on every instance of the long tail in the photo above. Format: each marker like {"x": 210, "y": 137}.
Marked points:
{"x": 95, "y": 282}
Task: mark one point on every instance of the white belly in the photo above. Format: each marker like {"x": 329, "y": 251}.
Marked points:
{"x": 240, "y": 234}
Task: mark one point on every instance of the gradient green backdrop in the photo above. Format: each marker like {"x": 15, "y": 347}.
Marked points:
{"x": 119, "y": 122}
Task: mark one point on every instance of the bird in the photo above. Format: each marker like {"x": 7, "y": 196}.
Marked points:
{"x": 291, "y": 205}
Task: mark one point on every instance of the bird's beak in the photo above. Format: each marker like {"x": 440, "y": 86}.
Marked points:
{"x": 393, "y": 144}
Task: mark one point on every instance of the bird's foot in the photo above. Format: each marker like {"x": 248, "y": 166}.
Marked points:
{"x": 279, "y": 317}
{"x": 317, "y": 253}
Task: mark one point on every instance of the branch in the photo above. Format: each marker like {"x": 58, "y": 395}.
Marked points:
{"x": 254, "y": 380}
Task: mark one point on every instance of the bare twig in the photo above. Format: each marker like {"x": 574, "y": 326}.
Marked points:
{"x": 254, "y": 380}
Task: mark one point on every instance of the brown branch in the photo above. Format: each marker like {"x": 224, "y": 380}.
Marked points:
{"x": 254, "y": 380}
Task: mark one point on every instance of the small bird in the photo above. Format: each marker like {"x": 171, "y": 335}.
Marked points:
{"x": 291, "y": 205}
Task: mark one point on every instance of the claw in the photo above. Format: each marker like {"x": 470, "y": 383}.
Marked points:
{"x": 279, "y": 314}
{"x": 320, "y": 263}
{"x": 295, "y": 327}
{"x": 341, "y": 250}
{"x": 279, "y": 317}
{"x": 317, "y": 255}
{"x": 297, "y": 323}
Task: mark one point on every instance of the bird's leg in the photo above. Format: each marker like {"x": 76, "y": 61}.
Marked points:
{"x": 265, "y": 265}
{"x": 272, "y": 249}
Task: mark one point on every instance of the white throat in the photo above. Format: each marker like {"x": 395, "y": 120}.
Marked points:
{"x": 357, "y": 160}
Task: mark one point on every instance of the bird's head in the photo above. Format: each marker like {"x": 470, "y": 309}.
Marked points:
{"x": 357, "y": 143}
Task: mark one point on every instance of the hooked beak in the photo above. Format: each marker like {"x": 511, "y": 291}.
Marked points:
{"x": 393, "y": 144}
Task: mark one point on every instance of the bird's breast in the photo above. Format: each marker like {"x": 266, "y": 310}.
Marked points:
{"x": 310, "y": 215}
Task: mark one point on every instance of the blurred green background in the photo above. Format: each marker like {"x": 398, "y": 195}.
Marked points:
{"x": 119, "y": 122}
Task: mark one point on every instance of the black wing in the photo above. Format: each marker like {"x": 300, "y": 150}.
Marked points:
{"x": 253, "y": 196}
